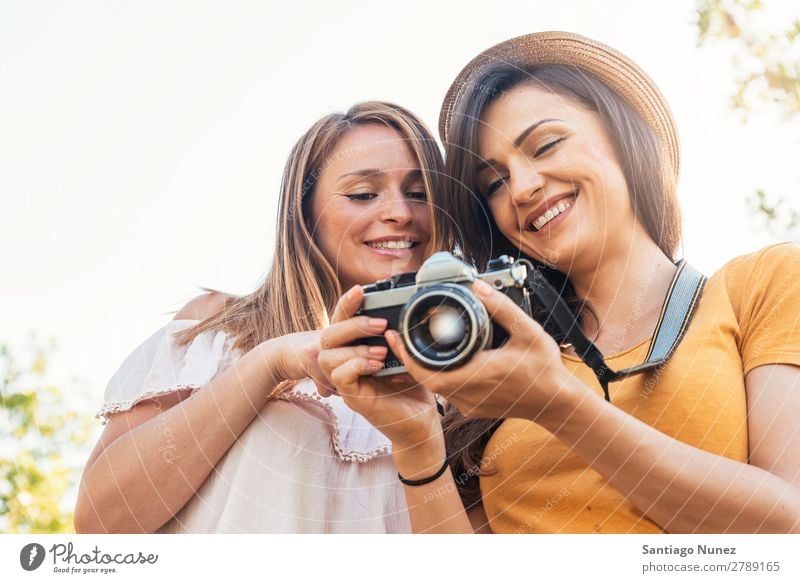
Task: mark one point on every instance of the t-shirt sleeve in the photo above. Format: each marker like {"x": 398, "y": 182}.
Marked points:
{"x": 765, "y": 292}
{"x": 159, "y": 366}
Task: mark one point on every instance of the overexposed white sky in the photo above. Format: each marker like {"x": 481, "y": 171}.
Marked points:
{"x": 142, "y": 143}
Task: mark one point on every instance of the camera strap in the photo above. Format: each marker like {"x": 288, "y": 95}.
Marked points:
{"x": 676, "y": 314}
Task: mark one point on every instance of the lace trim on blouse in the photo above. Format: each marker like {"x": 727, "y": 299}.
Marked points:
{"x": 159, "y": 367}
{"x": 384, "y": 446}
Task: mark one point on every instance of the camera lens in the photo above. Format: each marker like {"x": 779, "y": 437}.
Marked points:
{"x": 443, "y": 325}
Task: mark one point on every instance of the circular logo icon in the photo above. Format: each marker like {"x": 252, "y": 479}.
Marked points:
{"x": 31, "y": 556}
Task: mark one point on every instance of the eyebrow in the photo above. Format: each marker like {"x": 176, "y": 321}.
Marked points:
{"x": 377, "y": 173}
{"x": 364, "y": 172}
{"x": 518, "y": 142}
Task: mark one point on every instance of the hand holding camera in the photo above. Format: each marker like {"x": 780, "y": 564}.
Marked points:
{"x": 443, "y": 322}
{"x": 396, "y": 405}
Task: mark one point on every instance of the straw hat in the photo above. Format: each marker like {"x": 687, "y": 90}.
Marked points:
{"x": 610, "y": 66}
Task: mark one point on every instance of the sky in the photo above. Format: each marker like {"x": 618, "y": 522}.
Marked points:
{"x": 142, "y": 143}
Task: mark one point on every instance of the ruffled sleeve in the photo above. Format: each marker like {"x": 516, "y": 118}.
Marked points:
{"x": 159, "y": 366}
{"x": 352, "y": 437}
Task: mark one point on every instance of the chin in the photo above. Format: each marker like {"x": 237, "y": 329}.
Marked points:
{"x": 561, "y": 256}
{"x": 384, "y": 269}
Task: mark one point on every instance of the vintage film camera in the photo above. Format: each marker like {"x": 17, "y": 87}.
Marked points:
{"x": 442, "y": 323}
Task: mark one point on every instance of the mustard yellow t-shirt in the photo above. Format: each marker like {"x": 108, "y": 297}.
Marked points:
{"x": 748, "y": 316}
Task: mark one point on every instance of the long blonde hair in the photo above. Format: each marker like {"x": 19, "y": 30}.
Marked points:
{"x": 301, "y": 287}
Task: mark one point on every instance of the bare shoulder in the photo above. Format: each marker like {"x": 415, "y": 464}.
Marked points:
{"x": 202, "y": 306}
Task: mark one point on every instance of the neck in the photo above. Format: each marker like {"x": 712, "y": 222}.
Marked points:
{"x": 626, "y": 292}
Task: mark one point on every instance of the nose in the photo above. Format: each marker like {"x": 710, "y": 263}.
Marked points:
{"x": 525, "y": 181}
{"x": 396, "y": 208}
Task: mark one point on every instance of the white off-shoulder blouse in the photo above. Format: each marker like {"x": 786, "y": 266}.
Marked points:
{"x": 306, "y": 464}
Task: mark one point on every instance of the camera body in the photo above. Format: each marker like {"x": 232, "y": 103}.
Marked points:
{"x": 442, "y": 323}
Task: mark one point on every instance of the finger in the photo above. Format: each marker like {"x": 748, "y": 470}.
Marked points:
{"x": 418, "y": 372}
{"x": 324, "y": 386}
{"x": 504, "y": 310}
{"x": 401, "y": 379}
{"x": 351, "y": 330}
{"x": 348, "y": 304}
{"x": 394, "y": 384}
{"x": 335, "y": 357}
{"x": 326, "y": 390}
{"x": 346, "y": 377}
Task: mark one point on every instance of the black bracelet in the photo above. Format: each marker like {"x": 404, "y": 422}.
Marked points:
{"x": 424, "y": 481}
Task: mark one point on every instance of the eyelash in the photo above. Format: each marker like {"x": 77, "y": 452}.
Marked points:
{"x": 547, "y": 146}
{"x": 544, "y": 149}
{"x": 361, "y": 196}
{"x": 365, "y": 196}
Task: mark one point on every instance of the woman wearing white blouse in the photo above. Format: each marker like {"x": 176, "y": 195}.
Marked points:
{"x": 214, "y": 423}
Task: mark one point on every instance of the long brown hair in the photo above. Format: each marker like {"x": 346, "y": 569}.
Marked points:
{"x": 648, "y": 174}
{"x": 301, "y": 286}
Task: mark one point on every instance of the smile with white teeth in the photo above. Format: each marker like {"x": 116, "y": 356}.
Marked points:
{"x": 391, "y": 244}
{"x": 552, "y": 213}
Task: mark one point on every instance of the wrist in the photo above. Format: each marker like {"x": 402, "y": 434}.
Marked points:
{"x": 429, "y": 479}
{"x": 420, "y": 460}
{"x": 271, "y": 354}
{"x": 571, "y": 393}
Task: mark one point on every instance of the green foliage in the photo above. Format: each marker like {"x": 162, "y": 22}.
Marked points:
{"x": 768, "y": 65}
{"x": 43, "y": 444}
{"x": 767, "y": 62}
{"x": 780, "y": 219}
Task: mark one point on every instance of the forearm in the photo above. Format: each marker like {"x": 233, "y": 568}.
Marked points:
{"x": 435, "y": 507}
{"x": 148, "y": 474}
{"x": 680, "y": 487}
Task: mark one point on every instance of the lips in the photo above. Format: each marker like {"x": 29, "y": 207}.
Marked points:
{"x": 549, "y": 210}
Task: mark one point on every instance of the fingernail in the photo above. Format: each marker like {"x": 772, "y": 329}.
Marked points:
{"x": 391, "y": 338}
{"x": 376, "y": 364}
{"x": 481, "y": 288}
{"x": 378, "y": 350}
{"x": 378, "y": 323}
{"x": 354, "y": 290}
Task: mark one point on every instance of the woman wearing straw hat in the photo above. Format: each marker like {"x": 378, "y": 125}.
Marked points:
{"x": 214, "y": 423}
{"x": 561, "y": 150}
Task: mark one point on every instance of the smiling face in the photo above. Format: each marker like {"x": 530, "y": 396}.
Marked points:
{"x": 550, "y": 176}
{"x": 369, "y": 212}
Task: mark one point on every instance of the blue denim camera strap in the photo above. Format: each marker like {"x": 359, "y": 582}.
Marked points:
{"x": 676, "y": 314}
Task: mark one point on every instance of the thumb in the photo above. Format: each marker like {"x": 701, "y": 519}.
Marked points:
{"x": 348, "y": 304}
{"x": 418, "y": 372}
